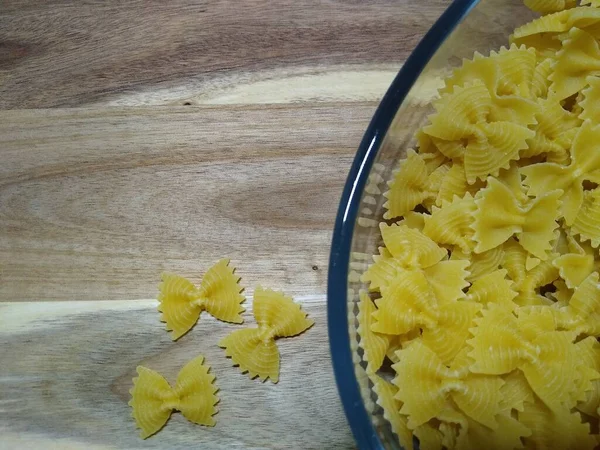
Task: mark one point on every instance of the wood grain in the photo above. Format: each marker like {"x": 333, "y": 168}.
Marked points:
{"x": 94, "y": 204}
{"x": 72, "y": 387}
{"x": 64, "y": 53}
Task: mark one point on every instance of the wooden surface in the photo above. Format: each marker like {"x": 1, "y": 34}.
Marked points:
{"x": 143, "y": 136}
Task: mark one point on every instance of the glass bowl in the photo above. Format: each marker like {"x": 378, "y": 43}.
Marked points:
{"x": 466, "y": 27}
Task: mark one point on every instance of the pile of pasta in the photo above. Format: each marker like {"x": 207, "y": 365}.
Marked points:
{"x": 485, "y": 296}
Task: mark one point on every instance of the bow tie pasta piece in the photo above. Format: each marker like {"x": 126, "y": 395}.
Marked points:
{"x": 451, "y": 330}
{"x": 219, "y": 295}
{"x": 493, "y": 288}
{"x": 549, "y": 6}
{"x": 590, "y": 105}
{"x": 586, "y": 224}
{"x": 583, "y": 311}
{"x": 430, "y": 438}
{"x": 527, "y": 280}
{"x": 515, "y": 392}
{"x": 464, "y": 120}
{"x": 555, "y": 429}
{"x": 447, "y": 280}
{"x": 480, "y": 264}
{"x": 463, "y": 433}
{"x": 542, "y": 32}
{"x": 411, "y": 248}
{"x": 584, "y": 166}
{"x": 254, "y": 349}
{"x": 547, "y": 358}
{"x": 153, "y": 399}
{"x": 508, "y": 435}
{"x": 429, "y": 152}
{"x": 574, "y": 267}
{"x": 540, "y": 82}
{"x": 590, "y": 354}
{"x": 412, "y": 185}
{"x": 454, "y": 184}
{"x": 374, "y": 345}
{"x": 425, "y": 385}
{"x": 499, "y": 215}
{"x": 508, "y": 72}
{"x": 386, "y": 392}
{"x": 578, "y": 58}
{"x": 380, "y": 273}
{"x": 552, "y": 134}
{"x": 406, "y": 304}
{"x": 450, "y": 224}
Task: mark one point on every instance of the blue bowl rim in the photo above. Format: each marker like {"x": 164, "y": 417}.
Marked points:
{"x": 337, "y": 301}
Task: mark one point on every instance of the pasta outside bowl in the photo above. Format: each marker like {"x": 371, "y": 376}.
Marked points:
{"x": 466, "y": 27}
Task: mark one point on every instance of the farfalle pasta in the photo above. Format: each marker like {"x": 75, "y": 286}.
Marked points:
{"x": 254, "y": 350}
{"x": 153, "y": 399}
{"x": 483, "y": 303}
{"x": 218, "y": 294}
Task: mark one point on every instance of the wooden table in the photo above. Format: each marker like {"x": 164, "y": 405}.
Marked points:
{"x": 144, "y": 136}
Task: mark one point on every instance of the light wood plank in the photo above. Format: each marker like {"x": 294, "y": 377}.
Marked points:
{"x": 67, "y": 368}
{"x": 95, "y": 203}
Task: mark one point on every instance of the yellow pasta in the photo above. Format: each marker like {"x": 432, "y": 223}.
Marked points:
{"x": 153, "y": 399}
{"x": 406, "y": 304}
{"x": 374, "y": 345}
{"x": 548, "y": 359}
{"x": 219, "y": 295}
{"x": 479, "y": 264}
{"x": 590, "y": 352}
{"x": 411, "y": 248}
{"x": 578, "y": 58}
{"x": 584, "y": 166}
{"x": 540, "y": 82}
{"x": 574, "y": 266}
{"x": 489, "y": 307}
{"x": 551, "y": 429}
{"x": 506, "y": 74}
{"x": 447, "y": 280}
{"x": 451, "y": 329}
{"x": 465, "y": 120}
{"x": 551, "y": 25}
{"x": 527, "y": 281}
{"x": 582, "y": 314}
{"x": 493, "y": 288}
{"x": 386, "y": 392}
{"x": 549, "y": 6}
{"x": 254, "y": 349}
{"x": 586, "y": 223}
{"x": 500, "y": 215}
{"x": 552, "y": 131}
{"x": 411, "y": 186}
{"x": 590, "y": 104}
{"x": 433, "y": 385}
{"x": 450, "y": 224}
{"x": 454, "y": 183}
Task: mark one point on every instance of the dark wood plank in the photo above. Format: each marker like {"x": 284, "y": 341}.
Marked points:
{"x": 73, "y": 53}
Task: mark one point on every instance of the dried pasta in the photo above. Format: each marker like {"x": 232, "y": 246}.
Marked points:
{"x": 153, "y": 399}
{"x": 254, "y": 350}
{"x": 374, "y": 345}
{"x": 487, "y": 282}
{"x": 218, "y": 294}
{"x": 549, "y": 6}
